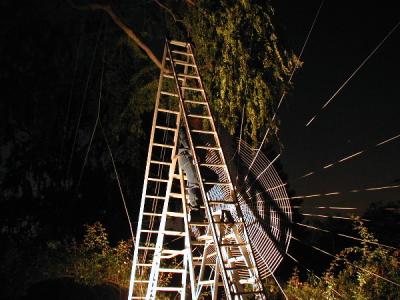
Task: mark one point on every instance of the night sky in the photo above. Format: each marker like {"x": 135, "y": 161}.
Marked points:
{"x": 364, "y": 113}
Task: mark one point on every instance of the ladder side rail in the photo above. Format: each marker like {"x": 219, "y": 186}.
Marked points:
{"x": 144, "y": 190}
{"x": 154, "y": 274}
{"x": 208, "y": 209}
{"x": 216, "y": 281}
{"x": 240, "y": 214}
{"x": 188, "y": 246}
{"x": 202, "y": 267}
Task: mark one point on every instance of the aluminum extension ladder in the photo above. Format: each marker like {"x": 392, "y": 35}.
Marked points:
{"x": 176, "y": 255}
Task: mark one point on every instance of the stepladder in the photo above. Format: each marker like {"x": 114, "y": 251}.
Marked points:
{"x": 191, "y": 240}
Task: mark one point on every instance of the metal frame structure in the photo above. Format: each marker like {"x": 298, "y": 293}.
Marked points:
{"x": 215, "y": 250}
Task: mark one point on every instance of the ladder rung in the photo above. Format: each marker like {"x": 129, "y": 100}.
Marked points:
{"x": 183, "y": 63}
{"x": 181, "y": 52}
{"x": 169, "y": 214}
{"x": 169, "y": 289}
{"x": 208, "y": 148}
{"x": 215, "y": 202}
{"x": 235, "y": 259}
{"x": 157, "y": 179}
{"x": 164, "y": 145}
{"x": 151, "y": 214}
{"x": 203, "y": 131}
{"x": 217, "y": 183}
{"x": 238, "y": 268}
{"x": 228, "y": 223}
{"x": 206, "y": 282}
{"x": 178, "y": 43}
{"x": 166, "y": 232}
{"x": 175, "y": 252}
{"x": 192, "y": 88}
{"x": 160, "y": 162}
{"x": 205, "y": 237}
{"x": 166, "y": 128}
{"x": 175, "y": 214}
{"x": 199, "y": 263}
{"x": 141, "y": 281}
{"x": 155, "y": 197}
{"x": 210, "y": 282}
{"x": 234, "y": 245}
{"x": 168, "y": 111}
{"x": 146, "y": 248}
{"x": 197, "y": 243}
{"x": 171, "y": 76}
{"x": 144, "y": 265}
{"x": 175, "y": 195}
{"x": 195, "y": 102}
{"x": 188, "y": 76}
{"x": 169, "y": 94}
{"x": 248, "y": 293}
{"x": 171, "y": 270}
{"x": 212, "y": 165}
{"x": 199, "y": 116}
{"x": 198, "y": 224}
{"x": 247, "y": 281}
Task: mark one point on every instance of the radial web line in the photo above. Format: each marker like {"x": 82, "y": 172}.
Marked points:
{"x": 352, "y": 75}
{"x": 348, "y": 157}
{"x": 368, "y": 189}
{"x": 266, "y": 169}
{"x": 333, "y": 217}
{"x": 84, "y": 97}
{"x": 97, "y": 115}
{"x": 289, "y": 81}
{"x": 308, "y": 270}
{"x": 273, "y": 276}
{"x": 118, "y": 182}
{"x": 343, "y": 235}
{"x": 347, "y": 262}
{"x": 71, "y": 90}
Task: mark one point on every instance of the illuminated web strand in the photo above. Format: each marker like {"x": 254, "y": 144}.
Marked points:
{"x": 259, "y": 175}
{"x": 369, "y": 189}
{"x": 347, "y": 262}
{"x": 336, "y": 207}
{"x": 289, "y": 81}
{"x": 350, "y": 156}
{"x": 276, "y": 280}
{"x": 344, "y": 235}
{"x": 352, "y": 75}
{"x": 328, "y": 207}
{"x": 308, "y": 270}
{"x": 332, "y": 217}
{"x": 119, "y": 183}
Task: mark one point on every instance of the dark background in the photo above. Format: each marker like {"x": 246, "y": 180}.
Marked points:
{"x": 364, "y": 113}
{"x": 38, "y": 48}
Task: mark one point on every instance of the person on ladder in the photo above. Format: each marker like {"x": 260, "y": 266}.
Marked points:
{"x": 185, "y": 160}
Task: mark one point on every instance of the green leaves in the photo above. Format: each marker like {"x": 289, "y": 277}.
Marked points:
{"x": 351, "y": 274}
{"x": 244, "y": 64}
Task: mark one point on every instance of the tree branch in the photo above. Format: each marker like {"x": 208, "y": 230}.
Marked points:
{"x": 168, "y": 10}
{"x": 118, "y": 21}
